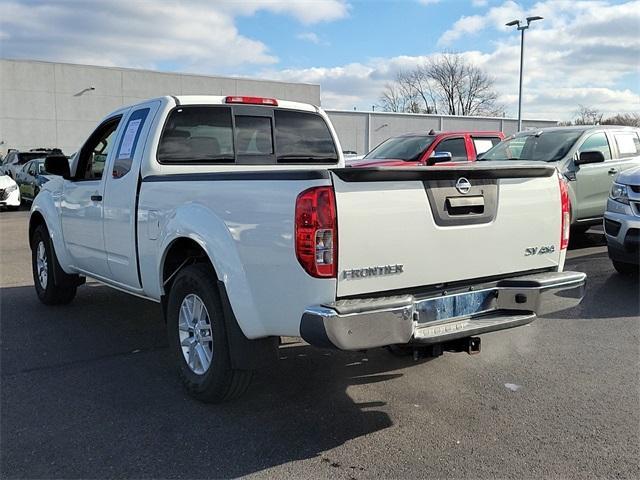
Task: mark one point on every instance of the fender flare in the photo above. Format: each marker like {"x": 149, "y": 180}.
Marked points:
{"x": 44, "y": 204}
{"x": 200, "y": 224}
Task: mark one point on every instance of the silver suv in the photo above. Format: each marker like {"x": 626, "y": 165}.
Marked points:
{"x": 588, "y": 156}
{"x": 622, "y": 222}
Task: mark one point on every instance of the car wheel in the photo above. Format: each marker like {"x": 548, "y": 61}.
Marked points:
{"x": 625, "y": 268}
{"x": 198, "y": 339}
{"x": 50, "y": 290}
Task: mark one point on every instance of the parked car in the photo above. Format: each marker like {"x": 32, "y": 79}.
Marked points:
{"x": 416, "y": 149}
{"x": 622, "y": 222}
{"x": 31, "y": 178}
{"x": 588, "y": 156}
{"x": 9, "y": 193}
{"x": 15, "y": 159}
{"x": 228, "y": 211}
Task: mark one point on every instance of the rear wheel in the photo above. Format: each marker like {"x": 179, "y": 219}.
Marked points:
{"x": 198, "y": 339}
{"x": 51, "y": 289}
{"x": 625, "y": 268}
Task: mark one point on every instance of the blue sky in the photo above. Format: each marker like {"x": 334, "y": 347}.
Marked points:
{"x": 584, "y": 52}
{"x": 372, "y": 29}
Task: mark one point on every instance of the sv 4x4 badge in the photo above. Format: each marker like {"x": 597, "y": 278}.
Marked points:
{"x": 539, "y": 250}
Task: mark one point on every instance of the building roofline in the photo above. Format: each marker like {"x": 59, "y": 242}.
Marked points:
{"x": 160, "y": 72}
{"x": 437, "y": 115}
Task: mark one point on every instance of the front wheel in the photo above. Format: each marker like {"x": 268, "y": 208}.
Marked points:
{"x": 198, "y": 339}
{"x": 44, "y": 261}
{"x": 625, "y": 268}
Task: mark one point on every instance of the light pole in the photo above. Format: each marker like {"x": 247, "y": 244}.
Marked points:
{"x": 522, "y": 27}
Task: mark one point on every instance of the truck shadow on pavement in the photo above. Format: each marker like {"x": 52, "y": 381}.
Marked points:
{"x": 89, "y": 390}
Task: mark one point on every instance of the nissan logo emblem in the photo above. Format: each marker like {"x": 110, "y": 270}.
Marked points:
{"x": 463, "y": 185}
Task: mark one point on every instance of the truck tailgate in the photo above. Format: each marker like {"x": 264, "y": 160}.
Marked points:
{"x": 409, "y": 227}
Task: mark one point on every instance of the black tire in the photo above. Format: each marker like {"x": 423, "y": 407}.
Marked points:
{"x": 219, "y": 382}
{"x": 625, "y": 268}
{"x": 55, "y": 290}
{"x": 579, "y": 230}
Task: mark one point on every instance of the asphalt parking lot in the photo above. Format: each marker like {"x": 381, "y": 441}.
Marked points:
{"x": 88, "y": 391}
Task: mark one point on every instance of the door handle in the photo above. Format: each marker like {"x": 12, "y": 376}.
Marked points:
{"x": 96, "y": 198}
{"x": 613, "y": 171}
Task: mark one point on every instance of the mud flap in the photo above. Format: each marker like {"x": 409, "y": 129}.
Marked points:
{"x": 245, "y": 354}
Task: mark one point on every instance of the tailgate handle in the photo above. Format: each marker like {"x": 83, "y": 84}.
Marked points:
{"x": 465, "y": 205}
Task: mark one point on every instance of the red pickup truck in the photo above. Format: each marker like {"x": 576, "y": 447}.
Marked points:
{"x": 414, "y": 149}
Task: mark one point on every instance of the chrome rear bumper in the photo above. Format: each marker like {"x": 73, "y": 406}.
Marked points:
{"x": 375, "y": 322}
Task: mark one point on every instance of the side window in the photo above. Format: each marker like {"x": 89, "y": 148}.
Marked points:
{"x": 483, "y": 144}
{"x": 32, "y": 168}
{"x": 94, "y": 153}
{"x": 129, "y": 142}
{"x": 197, "y": 134}
{"x": 628, "y": 144}
{"x": 254, "y": 135}
{"x": 303, "y": 137}
{"x": 455, "y": 146}
{"x": 597, "y": 142}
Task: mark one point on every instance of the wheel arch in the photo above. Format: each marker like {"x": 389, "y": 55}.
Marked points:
{"x": 45, "y": 212}
{"x": 194, "y": 230}
{"x": 245, "y": 354}
{"x": 35, "y": 220}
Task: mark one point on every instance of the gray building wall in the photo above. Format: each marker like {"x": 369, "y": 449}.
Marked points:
{"x": 361, "y": 131}
{"x": 44, "y": 104}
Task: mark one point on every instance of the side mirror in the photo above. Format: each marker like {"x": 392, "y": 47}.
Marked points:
{"x": 593, "y": 156}
{"x": 57, "y": 165}
{"x": 439, "y": 157}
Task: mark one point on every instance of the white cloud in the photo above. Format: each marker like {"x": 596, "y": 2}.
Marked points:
{"x": 581, "y": 54}
{"x": 479, "y": 3}
{"x": 312, "y": 38}
{"x": 496, "y": 17}
{"x": 198, "y": 36}
{"x": 306, "y": 11}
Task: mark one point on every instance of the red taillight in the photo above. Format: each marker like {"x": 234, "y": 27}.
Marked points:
{"x": 566, "y": 212}
{"x": 317, "y": 231}
{"x": 252, "y": 100}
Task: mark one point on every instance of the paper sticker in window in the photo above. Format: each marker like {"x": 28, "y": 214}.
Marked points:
{"x": 128, "y": 143}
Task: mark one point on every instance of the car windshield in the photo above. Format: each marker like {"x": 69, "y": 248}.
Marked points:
{"x": 540, "y": 146}
{"x": 408, "y": 148}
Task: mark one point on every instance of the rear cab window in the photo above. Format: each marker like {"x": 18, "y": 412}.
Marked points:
{"x": 483, "y": 144}
{"x": 303, "y": 137}
{"x": 628, "y": 144}
{"x": 245, "y": 135}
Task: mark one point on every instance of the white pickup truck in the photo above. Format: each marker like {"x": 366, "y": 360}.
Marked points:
{"x": 238, "y": 216}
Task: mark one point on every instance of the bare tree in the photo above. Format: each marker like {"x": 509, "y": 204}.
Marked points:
{"x": 418, "y": 82}
{"x": 446, "y": 84}
{"x": 587, "y": 115}
{"x": 391, "y": 98}
{"x": 628, "y": 119}
{"x": 399, "y": 97}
